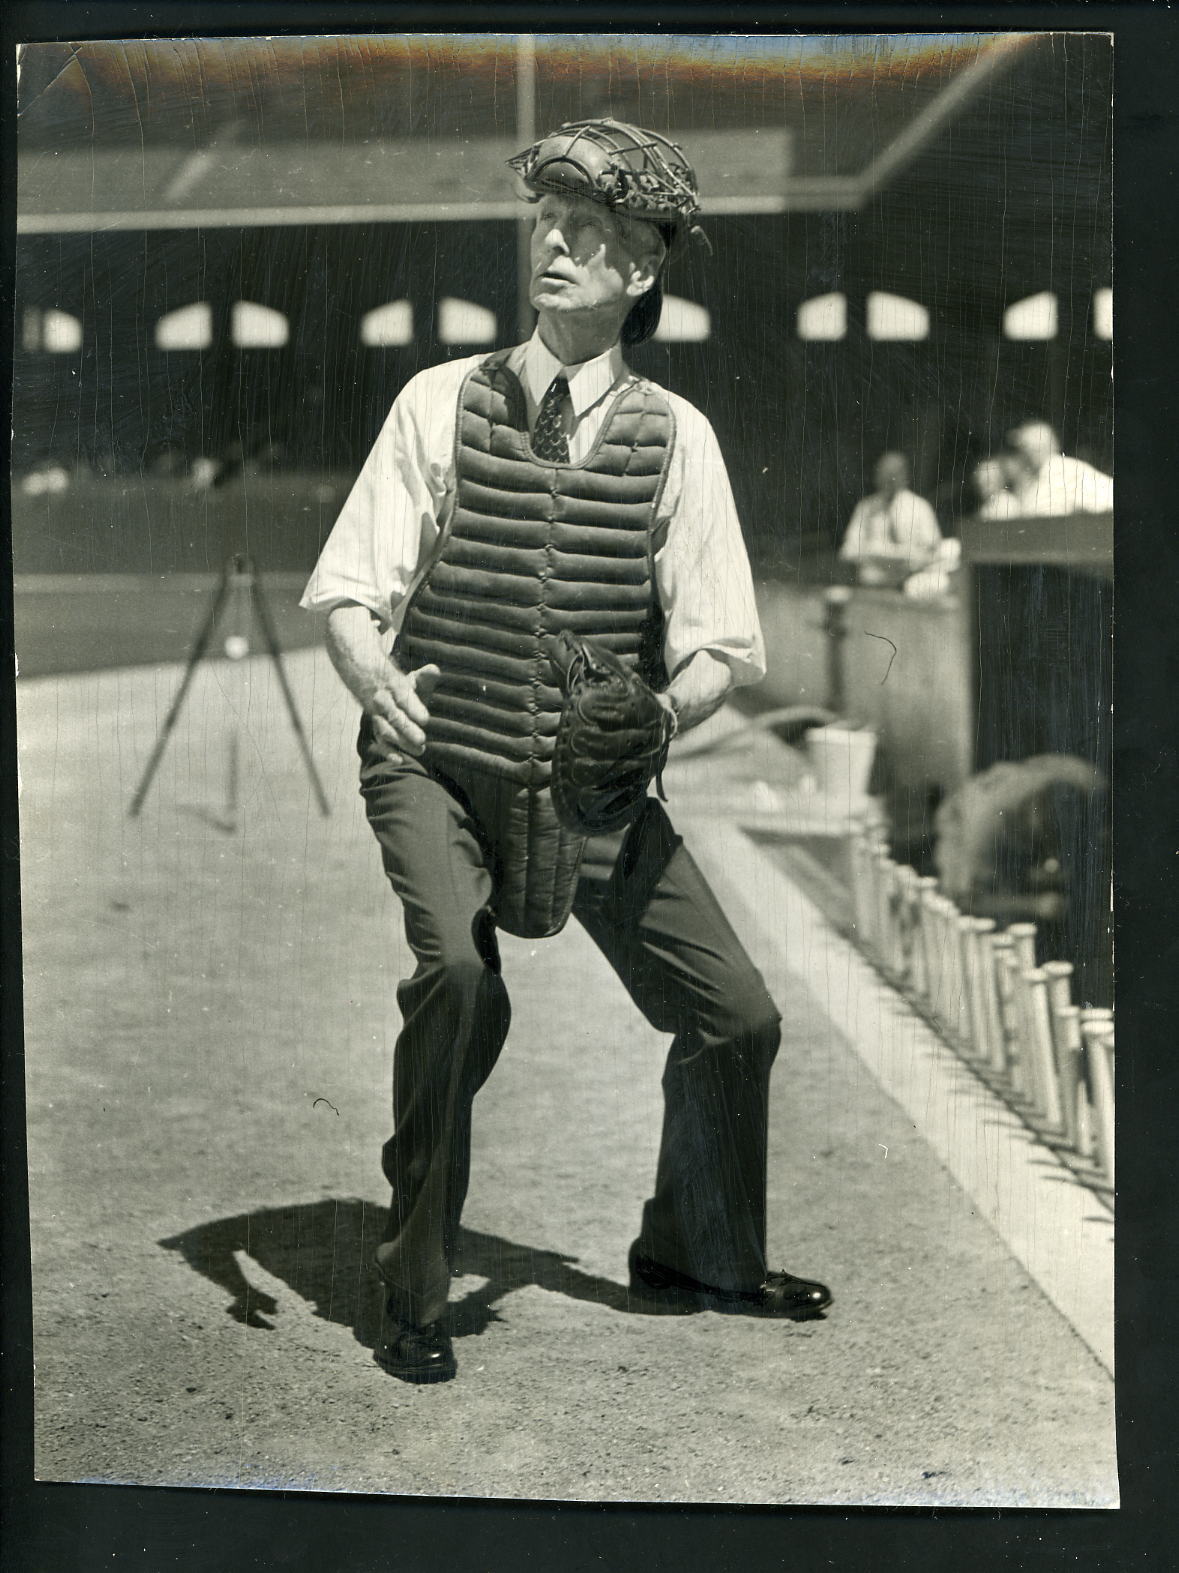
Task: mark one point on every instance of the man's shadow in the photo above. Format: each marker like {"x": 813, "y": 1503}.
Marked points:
{"x": 323, "y": 1251}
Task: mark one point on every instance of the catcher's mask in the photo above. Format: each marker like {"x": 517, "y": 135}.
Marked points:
{"x": 633, "y": 172}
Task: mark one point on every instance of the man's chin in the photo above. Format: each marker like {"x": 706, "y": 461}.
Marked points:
{"x": 555, "y": 298}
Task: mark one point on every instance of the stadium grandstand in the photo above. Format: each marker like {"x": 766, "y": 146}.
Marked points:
{"x": 232, "y": 253}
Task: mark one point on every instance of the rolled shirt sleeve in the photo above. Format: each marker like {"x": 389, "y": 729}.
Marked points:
{"x": 392, "y": 512}
{"x": 702, "y": 570}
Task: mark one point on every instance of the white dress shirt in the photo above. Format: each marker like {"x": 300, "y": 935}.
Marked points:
{"x": 1063, "y": 486}
{"x": 903, "y": 528}
{"x": 406, "y": 490}
{"x": 1000, "y": 505}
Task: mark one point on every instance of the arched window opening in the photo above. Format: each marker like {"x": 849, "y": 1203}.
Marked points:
{"x": 255, "y": 327}
{"x": 387, "y": 326}
{"x": 186, "y": 328}
{"x": 49, "y": 329}
{"x": 1103, "y": 313}
{"x": 683, "y": 321}
{"x": 464, "y": 322}
{"x": 823, "y": 317}
{"x": 894, "y": 319}
{"x": 1036, "y": 317}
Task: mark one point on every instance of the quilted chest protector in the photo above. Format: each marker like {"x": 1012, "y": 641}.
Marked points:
{"x": 532, "y": 548}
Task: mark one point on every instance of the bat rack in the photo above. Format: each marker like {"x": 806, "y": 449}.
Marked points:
{"x": 238, "y": 603}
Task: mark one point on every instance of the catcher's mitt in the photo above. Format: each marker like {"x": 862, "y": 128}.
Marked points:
{"x": 612, "y": 738}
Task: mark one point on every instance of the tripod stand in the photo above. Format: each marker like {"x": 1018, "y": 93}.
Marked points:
{"x": 239, "y": 589}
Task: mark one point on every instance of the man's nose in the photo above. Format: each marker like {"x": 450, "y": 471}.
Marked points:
{"x": 555, "y": 239}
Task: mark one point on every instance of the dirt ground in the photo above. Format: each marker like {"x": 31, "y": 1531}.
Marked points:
{"x": 210, "y": 1025}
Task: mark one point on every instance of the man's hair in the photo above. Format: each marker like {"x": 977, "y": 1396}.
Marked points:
{"x": 643, "y": 317}
{"x": 1035, "y": 426}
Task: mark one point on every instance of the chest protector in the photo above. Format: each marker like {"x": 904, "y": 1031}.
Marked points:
{"x": 531, "y": 548}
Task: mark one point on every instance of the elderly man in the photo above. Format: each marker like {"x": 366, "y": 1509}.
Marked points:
{"x": 892, "y": 531}
{"x": 508, "y": 497}
{"x": 1053, "y": 484}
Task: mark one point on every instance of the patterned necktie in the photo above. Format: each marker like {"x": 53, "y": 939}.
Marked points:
{"x": 549, "y": 441}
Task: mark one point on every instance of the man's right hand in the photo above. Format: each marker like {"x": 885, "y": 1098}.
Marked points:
{"x": 398, "y": 708}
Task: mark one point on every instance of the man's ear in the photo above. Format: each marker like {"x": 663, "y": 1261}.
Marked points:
{"x": 643, "y": 273}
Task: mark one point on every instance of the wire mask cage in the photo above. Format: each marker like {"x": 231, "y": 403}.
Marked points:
{"x": 633, "y": 171}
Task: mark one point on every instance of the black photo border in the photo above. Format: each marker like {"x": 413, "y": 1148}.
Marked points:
{"x": 60, "y": 1528}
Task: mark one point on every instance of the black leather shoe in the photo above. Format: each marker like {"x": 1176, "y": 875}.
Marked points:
{"x": 781, "y": 1294}
{"x": 415, "y": 1354}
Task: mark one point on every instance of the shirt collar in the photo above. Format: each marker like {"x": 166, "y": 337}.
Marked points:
{"x": 588, "y": 382}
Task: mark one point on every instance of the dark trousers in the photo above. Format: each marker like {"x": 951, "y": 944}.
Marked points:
{"x": 646, "y": 905}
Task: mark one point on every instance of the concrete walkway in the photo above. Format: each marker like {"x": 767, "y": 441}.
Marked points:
{"x": 210, "y": 1021}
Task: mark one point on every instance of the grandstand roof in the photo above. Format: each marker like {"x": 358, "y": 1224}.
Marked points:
{"x": 180, "y": 133}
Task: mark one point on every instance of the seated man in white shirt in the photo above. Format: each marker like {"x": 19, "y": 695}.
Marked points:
{"x": 1056, "y": 485}
{"x": 991, "y": 481}
{"x": 509, "y": 496}
{"x": 892, "y": 532}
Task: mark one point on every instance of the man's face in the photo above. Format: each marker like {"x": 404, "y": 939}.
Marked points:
{"x": 890, "y": 476}
{"x": 1017, "y": 470}
{"x": 989, "y": 479}
{"x": 1035, "y": 443}
{"x": 585, "y": 258}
